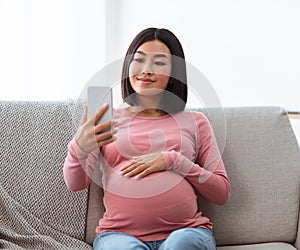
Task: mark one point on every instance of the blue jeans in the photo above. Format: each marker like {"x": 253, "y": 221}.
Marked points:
{"x": 185, "y": 238}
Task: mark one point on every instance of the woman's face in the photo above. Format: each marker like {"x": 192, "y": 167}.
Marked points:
{"x": 150, "y": 70}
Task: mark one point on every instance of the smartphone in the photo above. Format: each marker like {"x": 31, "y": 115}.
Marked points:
{"x": 96, "y": 97}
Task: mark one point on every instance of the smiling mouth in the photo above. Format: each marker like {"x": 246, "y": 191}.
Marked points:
{"x": 145, "y": 80}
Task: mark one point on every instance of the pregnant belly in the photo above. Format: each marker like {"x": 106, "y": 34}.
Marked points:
{"x": 149, "y": 186}
{"x": 161, "y": 206}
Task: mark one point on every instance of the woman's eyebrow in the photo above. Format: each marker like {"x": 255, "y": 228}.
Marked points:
{"x": 160, "y": 55}
{"x": 155, "y": 56}
{"x": 141, "y": 52}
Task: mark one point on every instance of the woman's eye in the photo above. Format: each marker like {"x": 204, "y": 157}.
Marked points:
{"x": 160, "y": 63}
{"x": 140, "y": 60}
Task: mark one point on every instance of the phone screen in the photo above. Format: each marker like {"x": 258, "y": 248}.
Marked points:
{"x": 96, "y": 97}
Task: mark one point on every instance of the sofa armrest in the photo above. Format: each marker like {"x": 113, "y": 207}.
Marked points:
{"x": 297, "y": 242}
{"x": 95, "y": 210}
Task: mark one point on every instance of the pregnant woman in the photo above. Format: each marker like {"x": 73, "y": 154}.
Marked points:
{"x": 154, "y": 157}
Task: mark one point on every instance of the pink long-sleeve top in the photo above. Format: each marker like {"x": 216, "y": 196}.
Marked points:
{"x": 152, "y": 207}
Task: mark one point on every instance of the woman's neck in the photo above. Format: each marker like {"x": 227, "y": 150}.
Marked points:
{"x": 149, "y": 101}
{"x": 148, "y": 106}
{"x": 145, "y": 112}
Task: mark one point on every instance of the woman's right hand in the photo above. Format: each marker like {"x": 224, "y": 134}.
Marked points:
{"x": 90, "y": 136}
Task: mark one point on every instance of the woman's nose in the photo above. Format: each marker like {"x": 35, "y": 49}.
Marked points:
{"x": 147, "y": 69}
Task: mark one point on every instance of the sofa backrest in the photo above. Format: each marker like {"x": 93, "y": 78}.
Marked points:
{"x": 261, "y": 155}
{"x": 262, "y": 159}
{"x": 34, "y": 201}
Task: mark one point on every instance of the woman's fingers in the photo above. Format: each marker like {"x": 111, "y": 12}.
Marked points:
{"x": 134, "y": 169}
{"x": 106, "y": 126}
{"x": 93, "y": 120}
{"x": 105, "y": 136}
{"x": 146, "y": 172}
{"x": 100, "y": 113}
{"x": 144, "y": 165}
{"x": 90, "y": 136}
{"x": 129, "y": 168}
{"x": 105, "y": 142}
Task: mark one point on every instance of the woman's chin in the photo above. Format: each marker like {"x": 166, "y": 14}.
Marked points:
{"x": 149, "y": 91}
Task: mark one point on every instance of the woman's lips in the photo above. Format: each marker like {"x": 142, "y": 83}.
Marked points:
{"x": 145, "y": 80}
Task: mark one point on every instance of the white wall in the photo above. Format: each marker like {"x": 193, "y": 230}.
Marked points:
{"x": 49, "y": 48}
{"x": 248, "y": 49}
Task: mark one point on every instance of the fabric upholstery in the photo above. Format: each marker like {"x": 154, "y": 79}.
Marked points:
{"x": 266, "y": 246}
{"x": 37, "y": 211}
{"x": 262, "y": 159}
{"x": 95, "y": 211}
{"x": 297, "y": 242}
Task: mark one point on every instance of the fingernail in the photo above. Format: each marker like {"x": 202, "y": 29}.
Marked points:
{"x": 105, "y": 105}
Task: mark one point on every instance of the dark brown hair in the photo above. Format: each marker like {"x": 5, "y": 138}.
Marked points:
{"x": 177, "y": 86}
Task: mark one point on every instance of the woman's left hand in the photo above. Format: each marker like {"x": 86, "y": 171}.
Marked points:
{"x": 144, "y": 165}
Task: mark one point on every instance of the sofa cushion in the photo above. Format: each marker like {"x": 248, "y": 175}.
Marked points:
{"x": 37, "y": 211}
{"x": 266, "y": 246}
{"x": 262, "y": 159}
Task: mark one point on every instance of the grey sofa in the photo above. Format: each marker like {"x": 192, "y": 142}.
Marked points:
{"x": 37, "y": 211}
